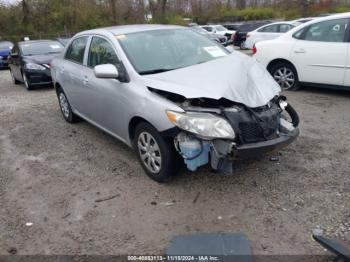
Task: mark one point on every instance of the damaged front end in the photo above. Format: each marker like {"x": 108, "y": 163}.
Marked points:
{"x": 220, "y": 131}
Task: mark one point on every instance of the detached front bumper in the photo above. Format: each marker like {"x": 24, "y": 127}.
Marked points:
{"x": 256, "y": 149}
{"x": 223, "y": 153}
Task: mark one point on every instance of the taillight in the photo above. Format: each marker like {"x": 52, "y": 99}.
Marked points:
{"x": 254, "y": 50}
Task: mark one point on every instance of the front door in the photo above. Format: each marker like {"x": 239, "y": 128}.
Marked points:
{"x": 321, "y": 52}
{"x": 107, "y": 101}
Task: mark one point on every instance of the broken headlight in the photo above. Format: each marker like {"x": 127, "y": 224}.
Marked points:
{"x": 205, "y": 125}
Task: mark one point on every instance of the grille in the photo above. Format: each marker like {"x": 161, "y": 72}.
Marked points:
{"x": 251, "y": 132}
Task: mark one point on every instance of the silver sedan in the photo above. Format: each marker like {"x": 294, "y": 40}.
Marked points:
{"x": 173, "y": 95}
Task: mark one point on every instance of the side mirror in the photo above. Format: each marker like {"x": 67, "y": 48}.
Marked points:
{"x": 106, "y": 71}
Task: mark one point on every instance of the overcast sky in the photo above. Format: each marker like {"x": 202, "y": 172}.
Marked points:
{"x": 8, "y": 1}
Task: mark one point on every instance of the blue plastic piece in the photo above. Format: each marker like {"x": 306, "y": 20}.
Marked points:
{"x": 195, "y": 154}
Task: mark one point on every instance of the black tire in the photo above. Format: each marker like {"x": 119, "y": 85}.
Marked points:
{"x": 242, "y": 45}
{"x": 286, "y": 69}
{"x": 169, "y": 158}
{"x": 26, "y": 82}
{"x": 66, "y": 108}
{"x": 14, "y": 80}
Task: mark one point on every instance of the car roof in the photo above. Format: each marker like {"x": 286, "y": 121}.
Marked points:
{"x": 276, "y": 23}
{"x": 128, "y": 29}
{"x": 317, "y": 20}
{"x": 35, "y": 41}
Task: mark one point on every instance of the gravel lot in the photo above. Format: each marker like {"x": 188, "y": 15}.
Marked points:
{"x": 52, "y": 173}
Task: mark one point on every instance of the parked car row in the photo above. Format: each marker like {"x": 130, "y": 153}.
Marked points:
{"x": 213, "y": 36}
{"x": 245, "y": 35}
{"x": 173, "y": 94}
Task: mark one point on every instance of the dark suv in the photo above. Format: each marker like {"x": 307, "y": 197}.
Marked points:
{"x": 241, "y": 34}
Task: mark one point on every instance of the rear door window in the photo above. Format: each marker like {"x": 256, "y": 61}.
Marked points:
{"x": 269, "y": 29}
{"x": 285, "y": 28}
{"x": 76, "y": 50}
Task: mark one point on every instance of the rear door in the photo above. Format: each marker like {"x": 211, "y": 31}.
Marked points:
{"x": 320, "y": 54}
{"x": 72, "y": 73}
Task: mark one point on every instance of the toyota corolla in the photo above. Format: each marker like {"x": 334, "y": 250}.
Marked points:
{"x": 173, "y": 95}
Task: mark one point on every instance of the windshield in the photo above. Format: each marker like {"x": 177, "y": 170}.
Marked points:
{"x": 5, "y": 45}
{"x": 41, "y": 48}
{"x": 158, "y": 51}
{"x": 220, "y": 28}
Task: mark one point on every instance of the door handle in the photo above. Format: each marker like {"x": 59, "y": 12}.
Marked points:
{"x": 85, "y": 80}
{"x": 62, "y": 69}
{"x": 300, "y": 51}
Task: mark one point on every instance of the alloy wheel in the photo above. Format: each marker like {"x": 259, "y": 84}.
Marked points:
{"x": 285, "y": 77}
{"x": 149, "y": 152}
{"x": 64, "y": 105}
{"x": 243, "y": 45}
{"x": 26, "y": 81}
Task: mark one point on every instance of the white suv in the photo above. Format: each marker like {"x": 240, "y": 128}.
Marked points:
{"x": 313, "y": 53}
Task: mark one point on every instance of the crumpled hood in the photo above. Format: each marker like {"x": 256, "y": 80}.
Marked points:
{"x": 41, "y": 59}
{"x": 237, "y": 78}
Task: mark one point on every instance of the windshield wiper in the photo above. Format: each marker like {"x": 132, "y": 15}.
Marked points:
{"x": 155, "y": 71}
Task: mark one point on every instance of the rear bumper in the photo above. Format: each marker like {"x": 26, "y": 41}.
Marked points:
{"x": 256, "y": 149}
{"x": 38, "y": 77}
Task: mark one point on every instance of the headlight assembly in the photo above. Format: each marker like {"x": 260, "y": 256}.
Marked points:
{"x": 205, "y": 125}
{"x": 33, "y": 66}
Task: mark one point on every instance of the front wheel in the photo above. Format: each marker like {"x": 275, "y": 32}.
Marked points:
{"x": 157, "y": 155}
{"x": 26, "y": 82}
{"x": 285, "y": 75}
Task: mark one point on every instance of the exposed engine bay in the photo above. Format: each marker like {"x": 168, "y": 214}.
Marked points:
{"x": 257, "y": 130}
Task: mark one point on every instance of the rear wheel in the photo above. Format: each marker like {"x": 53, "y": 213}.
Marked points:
{"x": 285, "y": 75}
{"x": 242, "y": 46}
{"x": 66, "y": 109}
{"x": 157, "y": 155}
